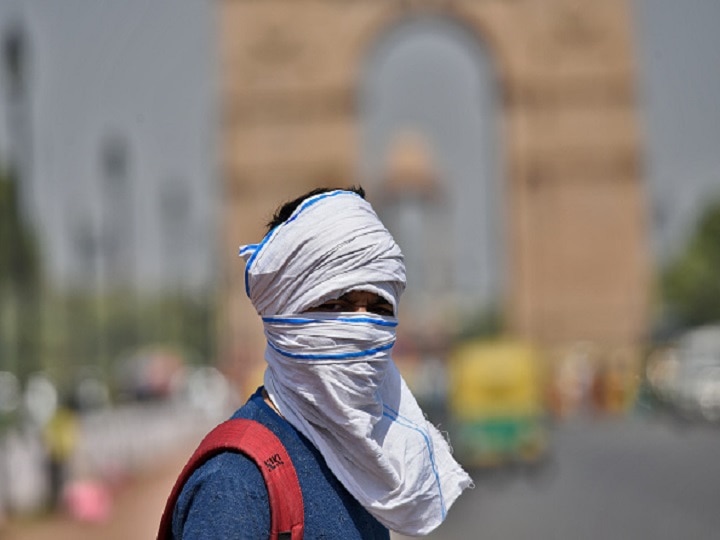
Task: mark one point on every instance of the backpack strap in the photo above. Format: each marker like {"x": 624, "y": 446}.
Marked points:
{"x": 262, "y": 446}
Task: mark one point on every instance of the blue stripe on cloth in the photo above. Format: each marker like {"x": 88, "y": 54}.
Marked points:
{"x": 254, "y": 256}
{"x": 248, "y": 247}
{"x": 333, "y": 356}
{"x": 302, "y": 320}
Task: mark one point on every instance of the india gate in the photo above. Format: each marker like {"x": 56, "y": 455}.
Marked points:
{"x": 575, "y": 262}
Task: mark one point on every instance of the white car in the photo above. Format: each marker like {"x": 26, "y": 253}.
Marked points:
{"x": 696, "y": 385}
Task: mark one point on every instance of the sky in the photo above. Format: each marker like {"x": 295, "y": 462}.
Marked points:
{"x": 678, "y": 53}
{"x": 143, "y": 71}
{"x": 147, "y": 71}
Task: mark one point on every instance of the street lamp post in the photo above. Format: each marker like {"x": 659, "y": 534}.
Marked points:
{"x": 116, "y": 246}
{"x": 174, "y": 214}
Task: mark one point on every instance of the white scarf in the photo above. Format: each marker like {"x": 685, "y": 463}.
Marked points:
{"x": 331, "y": 375}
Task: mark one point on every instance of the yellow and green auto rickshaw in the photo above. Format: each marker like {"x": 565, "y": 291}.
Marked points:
{"x": 496, "y": 403}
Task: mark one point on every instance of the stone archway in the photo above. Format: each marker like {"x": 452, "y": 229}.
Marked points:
{"x": 431, "y": 151}
{"x": 576, "y": 241}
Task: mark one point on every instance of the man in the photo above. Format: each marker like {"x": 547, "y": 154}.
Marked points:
{"x": 326, "y": 280}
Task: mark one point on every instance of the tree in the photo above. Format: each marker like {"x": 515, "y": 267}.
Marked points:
{"x": 19, "y": 258}
{"x": 691, "y": 283}
{"x": 20, "y": 273}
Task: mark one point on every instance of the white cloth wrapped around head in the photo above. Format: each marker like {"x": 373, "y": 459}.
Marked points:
{"x": 332, "y": 243}
{"x": 331, "y": 375}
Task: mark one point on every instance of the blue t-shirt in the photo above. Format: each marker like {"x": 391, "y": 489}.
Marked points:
{"x": 226, "y": 497}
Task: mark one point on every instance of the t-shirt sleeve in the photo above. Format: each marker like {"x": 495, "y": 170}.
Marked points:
{"x": 225, "y": 498}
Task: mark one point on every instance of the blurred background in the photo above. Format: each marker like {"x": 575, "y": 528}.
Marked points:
{"x": 550, "y": 168}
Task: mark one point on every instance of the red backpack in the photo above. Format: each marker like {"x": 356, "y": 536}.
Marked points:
{"x": 262, "y": 446}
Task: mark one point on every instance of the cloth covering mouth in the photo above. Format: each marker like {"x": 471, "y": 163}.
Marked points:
{"x": 331, "y": 375}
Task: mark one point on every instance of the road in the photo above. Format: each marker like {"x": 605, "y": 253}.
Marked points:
{"x": 637, "y": 478}
{"x": 137, "y": 506}
{"x": 138, "y": 450}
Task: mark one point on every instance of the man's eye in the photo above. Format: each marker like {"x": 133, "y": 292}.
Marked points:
{"x": 332, "y": 306}
{"x": 382, "y": 309}
{"x": 341, "y": 306}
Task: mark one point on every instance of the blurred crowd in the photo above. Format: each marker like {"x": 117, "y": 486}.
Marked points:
{"x": 68, "y": 450}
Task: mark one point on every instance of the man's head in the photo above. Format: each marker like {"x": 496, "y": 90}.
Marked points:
{"x": 323, "y": 249}
{"x": 356, "y": 301}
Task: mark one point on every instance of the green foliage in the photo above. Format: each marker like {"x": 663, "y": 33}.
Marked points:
{"x": 19, "y": 256}
{"x": 98, "y": 331}
{"x": 691, "y": 283}
{"x": 20, "y": 284}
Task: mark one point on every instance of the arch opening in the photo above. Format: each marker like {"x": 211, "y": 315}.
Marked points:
{"x": 429, "y": 117}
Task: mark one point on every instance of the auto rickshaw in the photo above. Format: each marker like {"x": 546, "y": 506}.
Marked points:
{"x": 495, "y": 403}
